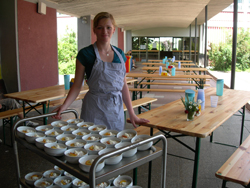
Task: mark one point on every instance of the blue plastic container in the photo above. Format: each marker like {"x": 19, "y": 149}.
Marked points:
{"x": 167, "y": 64}
{"x": 179, "y": 65}
{"x": 160, "y": 70}
{"x": 173, "y": 71}
{"x": 190, "y": 93}
{"x": 66, "y": 82}
{"x": 201, "y": 96}
{"x": 163, "y": 61}
{"x": 219, "y": 87}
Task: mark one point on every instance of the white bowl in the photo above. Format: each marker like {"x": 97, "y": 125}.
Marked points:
{"x": 69, "y": 175}
{"x": 95, "y": 129}
{"x": 74, "y": 121}
{"x": 128, "y": 180}
{"x": 52, "y": 174}
{"x": 31, "y": 177}
{"x": 77, "y": 183}
{"x": 92, "y": 138}
{"x": 76, "y": 143}
{"x": 63, "y": 138}
{"x": 22, "y": 130}
{"x": 108, "y": 133}
{"x": 63, "y": 179}
{"x": 73, "y": 155}
{"x": 85, "y": 167}
{"x": 31, "y": 137}
{"x": 55, "y": 152}
{"x": 140, "y": 138}
{"x": 79, "y": 133}
{"x": 126, "y": 135}
{"x": 111, "y": 160}
{"x": 84, "y": 125}
{"x": 58, "y": 168}
{"x": 43, "y": 140}
{"x": 59, "y": 124}
{"x": 53, "y": 133}
{"x": 69, "y": 129}
{"x": 94, "y": 148}
{"x": 104, "y": 184}
{"x": 43, "y": 128}
{"x": 40, "y": 183}
{"x": 128, "y": 153}
{"x": 110, "y": 142}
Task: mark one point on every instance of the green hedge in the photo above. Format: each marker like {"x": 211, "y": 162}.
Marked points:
{"x": 220, "y": 55}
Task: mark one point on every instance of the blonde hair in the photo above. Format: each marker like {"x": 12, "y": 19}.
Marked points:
{"x": 102, "y": 15}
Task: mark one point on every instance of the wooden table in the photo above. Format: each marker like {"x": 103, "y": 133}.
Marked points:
{"x": 162, "y": 64}
{"x": 171, "y": 118}
{"x": 42, "y": 96}
{"x": 160, "y": 60}
{"x": 193, "y": 69}
{"x": 198, "y": 79}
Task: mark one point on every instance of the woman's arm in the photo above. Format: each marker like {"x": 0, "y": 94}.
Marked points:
{"x": 126, "y": 99}
{"x": 74, "y": 90}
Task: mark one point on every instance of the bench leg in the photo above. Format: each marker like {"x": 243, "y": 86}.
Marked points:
{"x": 224, "y": 182}
{"x": 11, "y": 122}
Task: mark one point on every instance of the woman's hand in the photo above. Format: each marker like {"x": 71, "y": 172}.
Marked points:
{"x": 59, "y": 110}
{"x": 135, "y": 120}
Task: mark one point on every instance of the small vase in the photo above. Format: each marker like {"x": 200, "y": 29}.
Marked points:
{"x": 190, "y": 116}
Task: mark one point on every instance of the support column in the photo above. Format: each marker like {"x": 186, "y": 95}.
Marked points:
{"x": 235, "y": 27}
{"x": 84, "y": 32}
{"x": 190, "y": 42}
{"x": 128, "y": 40}
{"x": 195, "y": 40}
{"x": 205, "y": 53}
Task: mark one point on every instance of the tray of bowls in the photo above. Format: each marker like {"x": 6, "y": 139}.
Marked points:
{"x": 73, "y": 145}
{"x": 58, "y": 178}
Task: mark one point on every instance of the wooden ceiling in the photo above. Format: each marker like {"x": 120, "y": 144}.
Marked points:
{"x": 142, "y": 14}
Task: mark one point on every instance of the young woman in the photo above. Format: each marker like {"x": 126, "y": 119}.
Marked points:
{"x": 104, "y": 66}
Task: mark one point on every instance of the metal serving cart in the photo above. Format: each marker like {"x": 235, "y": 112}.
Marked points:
{"x": 108, "y": 172}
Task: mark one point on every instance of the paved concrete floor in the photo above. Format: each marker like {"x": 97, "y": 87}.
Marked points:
{"x": 179, "y": 170}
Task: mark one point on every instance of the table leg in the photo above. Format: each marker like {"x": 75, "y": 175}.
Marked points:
{"x": 196, "y": 162}
{"x": 242, "y": 123}
{"x": 135, "y": 176}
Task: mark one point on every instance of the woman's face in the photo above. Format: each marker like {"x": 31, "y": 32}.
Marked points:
{"x": 104, "y": 30}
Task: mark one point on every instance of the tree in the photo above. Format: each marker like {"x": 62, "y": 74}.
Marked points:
{"x": 67, "y": 51}
{"x": 221, "y": 55}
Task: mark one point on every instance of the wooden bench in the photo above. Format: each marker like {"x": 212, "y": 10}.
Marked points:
{"x": 140, "y": 90}
{"x": 171, "y": 84}
{"x": 237, "y": 168}
{"x": 175, "y": 79}
{"x": 8, "y": 117}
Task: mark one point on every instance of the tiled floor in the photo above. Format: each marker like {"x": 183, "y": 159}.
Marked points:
{"x": 179, "y": 170}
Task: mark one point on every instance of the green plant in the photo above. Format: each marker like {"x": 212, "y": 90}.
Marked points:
{"x": 67, "y": 51}
{"x": 220, "y": 55}
{"x": 190, "y": 106}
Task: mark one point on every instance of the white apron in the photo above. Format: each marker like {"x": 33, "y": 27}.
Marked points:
{"x": 103, "y": 104}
